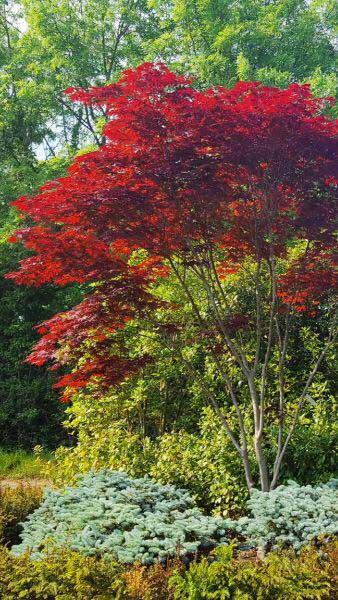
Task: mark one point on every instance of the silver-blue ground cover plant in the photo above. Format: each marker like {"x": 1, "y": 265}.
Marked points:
{"x": 111, "y": 515}
{"x": 290, "y": 515}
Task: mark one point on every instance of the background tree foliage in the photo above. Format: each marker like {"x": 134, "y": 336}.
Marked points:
{"x": 222, "y": 41}
{"x": 45, "y": 47}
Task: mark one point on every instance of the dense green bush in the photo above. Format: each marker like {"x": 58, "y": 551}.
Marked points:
{"x": 30, "y": 411}
{"x": 101, "y": 445}
{"x": 15, "y": 505}
{"x": 111, "y": 515}
{"x": 282, "y": 576}
{"x": 62, "y": 575}
{"x": 206, "y": 464}
{"x": 312, "y": 454}
{"x": 290, "y": 515}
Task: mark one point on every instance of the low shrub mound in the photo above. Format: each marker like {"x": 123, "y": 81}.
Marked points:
{"x": 290, "y": 515}
{"x": 111, "y": 515}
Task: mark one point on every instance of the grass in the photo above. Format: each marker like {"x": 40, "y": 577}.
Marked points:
{"x": 20, "y": 464}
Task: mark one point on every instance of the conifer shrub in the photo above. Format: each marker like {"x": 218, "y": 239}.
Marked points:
{"x": 290, "y": 515}
{"x": 311, "y": 575}
{"x": 111, "y": 515}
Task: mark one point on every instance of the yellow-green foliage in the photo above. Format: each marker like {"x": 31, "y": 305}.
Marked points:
{"x": 282, "y": 576}
{"x": 16, "y": 503}
{"x": 61, "y": 575}
{"x": 66, "y": 575}
{"x": 205, "y": 464}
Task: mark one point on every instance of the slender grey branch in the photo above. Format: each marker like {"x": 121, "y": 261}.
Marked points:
{"x": 236, "y": 352}
{"x": 281, "y": 364}
{"x": 273, "y": 307}
{"x": 302, "y": 399}
{"x": 258, "y": 315}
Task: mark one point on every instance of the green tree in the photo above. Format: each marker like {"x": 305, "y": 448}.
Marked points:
{"x": 278, "y": 40}
{"x": 45, "y": 47}
{"x": 30, "y": 411}
{"x": 82, "y": 43}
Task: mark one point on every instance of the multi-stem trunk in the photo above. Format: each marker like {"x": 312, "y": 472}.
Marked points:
{"x": 256, "y": 371}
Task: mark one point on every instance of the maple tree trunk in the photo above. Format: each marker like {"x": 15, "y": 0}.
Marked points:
{"x": 263, "y": 470}
{"x": 247, "y": 469}
{"x": 239, "y": 355}
{"x": 259, "y": 369}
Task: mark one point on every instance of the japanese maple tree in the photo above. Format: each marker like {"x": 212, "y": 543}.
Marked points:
{"x": 196, "y": 186}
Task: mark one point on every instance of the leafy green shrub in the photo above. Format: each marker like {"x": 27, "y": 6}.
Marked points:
{"x": 15, "y": 505}
{"x": 204, "y": 463}
{"x": 108, "y": 445}
{"x": 30, "y": 411}
{"x": 113, "y": 516}
{"x": 312, "y": 454}
{"x": 61, "y": 575}
{"x": 282, "y": 576}
{"x": 290, "y": 515}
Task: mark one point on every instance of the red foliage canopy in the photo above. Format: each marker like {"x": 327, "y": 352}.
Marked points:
{"x": 246, "y": 170}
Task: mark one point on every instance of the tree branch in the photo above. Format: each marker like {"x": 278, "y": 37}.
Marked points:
{"x": 302, "y": 399}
